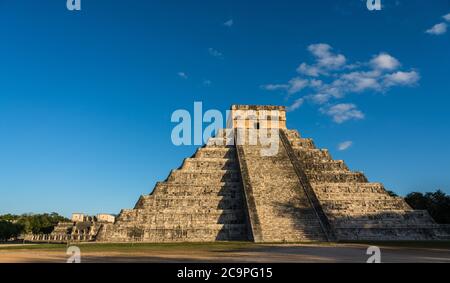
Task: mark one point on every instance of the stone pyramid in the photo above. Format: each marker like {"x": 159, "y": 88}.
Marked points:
{"x": 236, "y": 193}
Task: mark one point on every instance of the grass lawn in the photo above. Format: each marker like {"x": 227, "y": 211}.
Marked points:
{"x": 136, "y": 246}
{"x": 217, "y": 246}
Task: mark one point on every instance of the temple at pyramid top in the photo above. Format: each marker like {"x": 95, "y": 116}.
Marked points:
{"x": 257, "y": 117}
{"x": 258, "y": 107}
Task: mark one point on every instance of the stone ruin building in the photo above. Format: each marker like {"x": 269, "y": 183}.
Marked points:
{"x": 232, "y": 192}
{"x": 82, "y": 228}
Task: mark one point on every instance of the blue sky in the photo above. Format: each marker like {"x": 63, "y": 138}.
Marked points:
{"x": 86, "y": 96}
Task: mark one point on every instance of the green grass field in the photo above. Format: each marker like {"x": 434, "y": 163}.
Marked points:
{"x": 136, "y": 246}
{"x": 217, "y": 246}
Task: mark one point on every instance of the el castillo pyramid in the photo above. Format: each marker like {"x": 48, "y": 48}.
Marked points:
{"x": 232, "y": 192}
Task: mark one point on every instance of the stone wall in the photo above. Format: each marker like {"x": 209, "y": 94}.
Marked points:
{"x": 80, "y": 231}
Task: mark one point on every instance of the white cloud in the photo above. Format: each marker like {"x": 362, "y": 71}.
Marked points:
{"x": 332, "y": 77}
{"x": 325, "y": 60}
{"x": 441, "y": 28}
{"x": 438, "y": 29}
{"x": 229, "y": 23}
{"x": 215, "y": 53}
{"x": 296, "y": 85}
{"x": 402, "y": 78}
{"x": 272, "y": 87}
{"x": 325, "y": 57}
{"x": 182, "y": 75}
{"x": 358, "y": 81}
{"x": 447, "y": 17}
{"x": 308, "y": 70}
{"x": 297, "y": 104}
{"x": 344, "y": 145}
{"x": 385, "y": 61}
{"x": 343, "y": 112}
{"x": 315, "y": 83}
{"x": 293, "y": 86}
{"x": 320, "y": 98}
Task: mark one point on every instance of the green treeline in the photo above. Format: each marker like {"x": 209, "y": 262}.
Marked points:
{"x": 437, "y": 204}
{"x": 11, "y": 226}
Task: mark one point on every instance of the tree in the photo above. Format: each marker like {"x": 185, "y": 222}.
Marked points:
{"x": 437, "y": 204}
{"x": 9, "y": 230}
{"x": 9, "y": 217}
{"x": 34, "y": 223}
{"x": 417, "y": 201}
{"x": 392, "y": 194}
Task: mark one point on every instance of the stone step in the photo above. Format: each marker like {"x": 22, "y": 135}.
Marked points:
{"x": 220, "y": 142}
{"x": 229, "y": 232}
{"x": 312, "y": 155}
{"x": 209, "y": 170}
{"x": 198, "y": 198}
{"x": 188, "y": 220}
{"x": 270, "y": 164}
{"x": 354, "y": 212}
{"x": 304, "y": 213}
{"x": 304, "y": 224}
{"x": 302, "y": 143}
{"x": 365, "y": 206}
{"x": 180, "y": 212}
{"x": 350, "y": 188}
{"x": 366, "y": 202}
{"x": 383, "y": 214}
{"x": 190, "y": 204}
{"x": 337, "y": 177}
{"x": 287, "y": 179}
{"x": 219, "y": 189}
{"x": 352, "y": 196}
{"x": 194, "y": 164}
{"x": 384, "y": 223}
{"x": 217, "y": 152}
{"x": 329, "y": 165}
{"x": 292, "y": 237}
{"x": 225, "y": 133}
{"x": 187, "y": 223}
{"x": 205, "y": 226}
{"x": 408, "y": 215}
{"x": 212, "y": 215}
{"x": 204, "y": 177}
{"x": 292, "y": 134}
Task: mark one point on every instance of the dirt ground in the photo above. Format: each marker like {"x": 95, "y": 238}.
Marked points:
{"x": 222, "y": 253}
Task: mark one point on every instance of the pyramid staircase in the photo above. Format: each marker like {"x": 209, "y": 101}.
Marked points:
{"x": 282, "y": 211}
